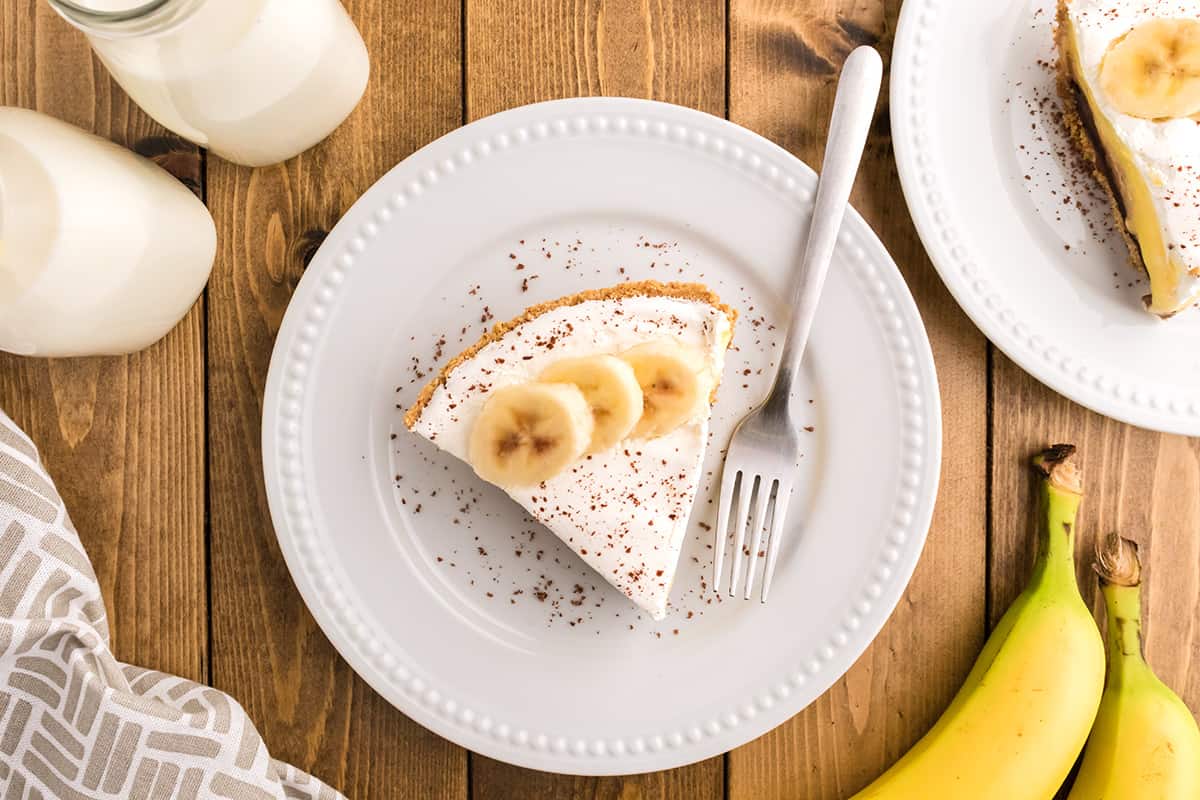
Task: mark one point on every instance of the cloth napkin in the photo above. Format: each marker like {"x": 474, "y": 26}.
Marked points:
{"x": 75, "y": 723}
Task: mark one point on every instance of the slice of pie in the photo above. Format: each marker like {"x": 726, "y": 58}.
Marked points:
{"x": 592, "y": 411}
{"x": 1129, "y": 74}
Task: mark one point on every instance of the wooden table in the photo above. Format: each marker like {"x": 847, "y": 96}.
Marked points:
{"x": 157, "y": 454}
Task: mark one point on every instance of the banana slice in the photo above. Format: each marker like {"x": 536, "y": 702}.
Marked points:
{"x": 1153, "y": 72}
{"x": 611, "y": 389}
{"x": 674, "y": 387}
{"x": 528, "y": 433}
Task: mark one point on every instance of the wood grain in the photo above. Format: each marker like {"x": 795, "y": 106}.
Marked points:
{"x": 126, "y": 439}
{"x": 495, "y": 780}
{"x": 122, "y": 437}
{"x": 1143, "y": 484}
{"x": 268, "y": 652}
{"x": 784, "y": 61}
{"x": 525, "y": 51}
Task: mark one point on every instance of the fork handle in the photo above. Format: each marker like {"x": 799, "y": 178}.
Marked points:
{"x": 853, "y": 108}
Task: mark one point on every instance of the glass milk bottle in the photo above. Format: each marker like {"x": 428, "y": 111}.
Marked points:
{"x": 101, "y": 251}
{"x": 255, "y": 81}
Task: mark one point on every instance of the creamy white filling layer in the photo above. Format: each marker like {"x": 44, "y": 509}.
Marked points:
{"x": 625, "y": 510}
{"x": 1168, "y": 151}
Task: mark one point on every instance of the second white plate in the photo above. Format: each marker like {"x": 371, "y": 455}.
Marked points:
{"x": 438, "y": 589}
{"x": 1015, "y": 226}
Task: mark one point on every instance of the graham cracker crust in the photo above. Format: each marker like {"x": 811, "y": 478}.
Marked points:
{"x": 1083, "y": 136}
{"x": 696, "y": 292}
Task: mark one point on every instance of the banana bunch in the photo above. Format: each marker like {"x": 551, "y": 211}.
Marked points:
{"x": 1017, "y": 725}
{"x": 529, "y": 432}
{"x": 1153, "y": 72}
{"x": 1145, "y": 744}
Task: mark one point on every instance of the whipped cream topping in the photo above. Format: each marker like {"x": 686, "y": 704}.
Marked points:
{"x": 623, "y": 511}
{"x": 1166, "y": 151}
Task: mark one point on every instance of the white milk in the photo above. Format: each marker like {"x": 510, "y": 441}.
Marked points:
{"x": 255, "y": 81}
{"x": 101, "y": 251}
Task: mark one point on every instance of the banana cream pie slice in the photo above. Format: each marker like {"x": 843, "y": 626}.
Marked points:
{"x": 591, "y": 411}
{"x": 1129, "y": 73}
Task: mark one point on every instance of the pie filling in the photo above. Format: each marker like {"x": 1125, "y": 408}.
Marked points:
{"x": 592, "y": 412}
{"x": 1131, "y": 193}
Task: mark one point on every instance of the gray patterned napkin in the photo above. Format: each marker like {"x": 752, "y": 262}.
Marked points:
{"x": 74, "y": 722}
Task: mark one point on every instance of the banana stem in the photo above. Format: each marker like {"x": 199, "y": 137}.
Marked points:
{"x": 1120, "y": 573}
{"x": 1061, "y": 492}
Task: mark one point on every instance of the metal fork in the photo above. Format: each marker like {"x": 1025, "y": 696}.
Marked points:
{"x": 762, "y": 457}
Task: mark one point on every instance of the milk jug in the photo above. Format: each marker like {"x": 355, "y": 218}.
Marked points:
{"x": 101, "y": 250}
{"x": 255, "y": 81}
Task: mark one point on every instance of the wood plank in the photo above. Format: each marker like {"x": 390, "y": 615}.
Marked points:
{"x": 122, "y": 437}
{"x": 268, "y": 652}
{"x": 524, "y": 51}
{"x": 783, "y": 63}
{"x": 1143, "y": 484}
{"x": 494, "y": 779}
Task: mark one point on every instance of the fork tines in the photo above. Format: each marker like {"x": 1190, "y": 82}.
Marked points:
{"x": 761, "y": 503}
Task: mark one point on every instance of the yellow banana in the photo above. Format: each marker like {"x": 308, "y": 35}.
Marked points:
{"x": 1016, "y": 726}
{"x": 1145, "y": 744}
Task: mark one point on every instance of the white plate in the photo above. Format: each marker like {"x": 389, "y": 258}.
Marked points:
{"x": 987, "y": 174}
{"x": 439, "y": 610}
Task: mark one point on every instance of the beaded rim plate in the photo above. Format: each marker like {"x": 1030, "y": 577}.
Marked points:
{"x": 1055, "y": 293}
{"x": 417, "y": 572}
